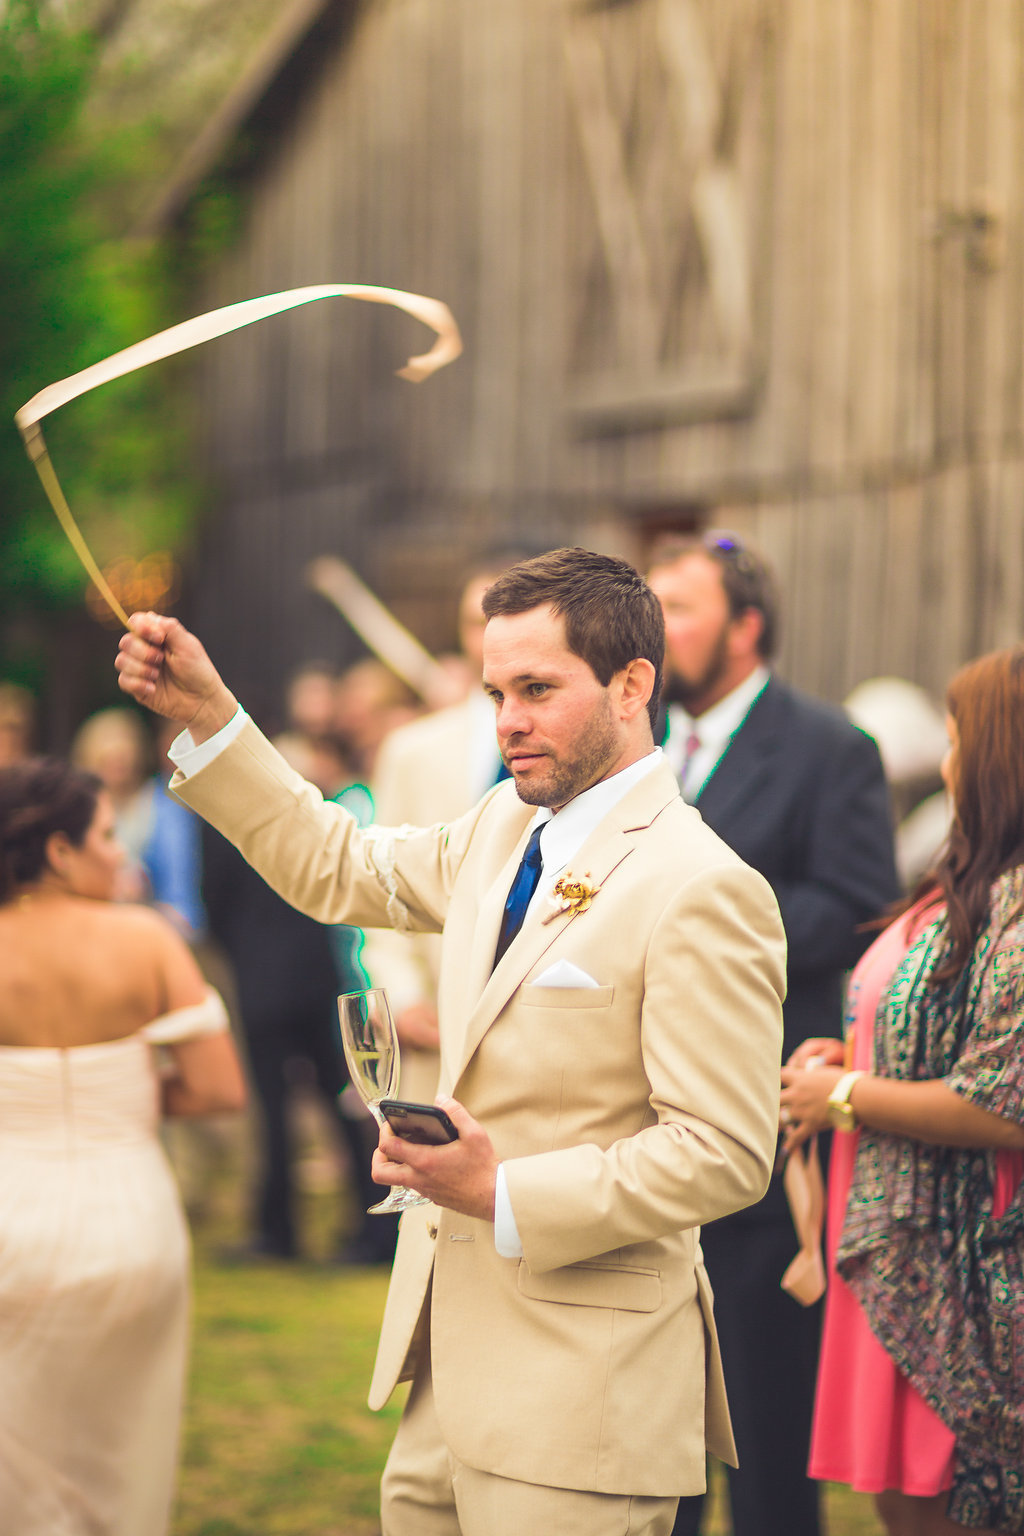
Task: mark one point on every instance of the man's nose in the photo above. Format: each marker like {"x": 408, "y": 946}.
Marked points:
{"x": 513, "y": 718}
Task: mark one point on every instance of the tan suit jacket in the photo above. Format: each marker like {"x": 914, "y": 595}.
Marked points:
{"x": 422, "y": 777}
{"x": 625, "y": 1114}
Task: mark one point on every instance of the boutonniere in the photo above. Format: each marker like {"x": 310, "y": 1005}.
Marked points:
{"x": 572, "y": 896}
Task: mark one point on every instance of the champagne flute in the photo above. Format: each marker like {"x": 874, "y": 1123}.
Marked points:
{"x": 370, "y": 1041}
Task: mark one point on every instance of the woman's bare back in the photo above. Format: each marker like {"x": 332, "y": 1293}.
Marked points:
{"x": 74, "y": 971}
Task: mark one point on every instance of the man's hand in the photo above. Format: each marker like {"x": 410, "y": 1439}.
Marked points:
{"x": 164, "y": 667}
{"x": 459, "y": 1175}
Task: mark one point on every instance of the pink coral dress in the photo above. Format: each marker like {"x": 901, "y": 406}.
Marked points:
{"x": 872, "y": 1430}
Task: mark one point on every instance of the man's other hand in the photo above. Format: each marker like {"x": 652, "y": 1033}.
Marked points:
{"x": 459, "y": 1175}
{"x": 163, "y": 666}
{"x": 417, "y": 1026}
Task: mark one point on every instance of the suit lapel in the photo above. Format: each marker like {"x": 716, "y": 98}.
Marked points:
{"x": 747, "y": 762}
{"x": 604, "y": 850}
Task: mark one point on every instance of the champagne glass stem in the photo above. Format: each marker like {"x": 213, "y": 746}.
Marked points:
{"x": 399, "y": 1197}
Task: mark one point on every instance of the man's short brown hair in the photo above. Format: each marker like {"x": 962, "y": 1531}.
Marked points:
{"x": 611, "y": 615}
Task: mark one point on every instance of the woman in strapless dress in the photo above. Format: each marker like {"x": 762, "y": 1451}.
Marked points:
{"x": 105, "y": 1024}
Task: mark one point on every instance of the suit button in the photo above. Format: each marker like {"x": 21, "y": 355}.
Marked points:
{"x": 431, "y": 1228}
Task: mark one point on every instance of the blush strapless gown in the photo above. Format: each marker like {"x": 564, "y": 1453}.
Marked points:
{"x": 94, "y": 1294}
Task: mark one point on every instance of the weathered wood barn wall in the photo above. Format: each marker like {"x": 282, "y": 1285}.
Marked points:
{"x": 747, "y": 263}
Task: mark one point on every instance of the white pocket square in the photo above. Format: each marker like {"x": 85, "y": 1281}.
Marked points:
{"x": 564, "y": 974}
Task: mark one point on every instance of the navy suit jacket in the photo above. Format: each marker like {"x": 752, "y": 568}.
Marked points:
{"x": 800, "y": 795}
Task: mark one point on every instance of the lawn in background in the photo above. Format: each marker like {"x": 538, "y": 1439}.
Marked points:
{"x": 278, "y": 1438}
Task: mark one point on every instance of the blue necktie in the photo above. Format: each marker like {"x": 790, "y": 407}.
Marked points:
{"x": 520, "y": 892}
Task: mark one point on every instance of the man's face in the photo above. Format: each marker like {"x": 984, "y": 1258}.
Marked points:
{"x": 557, "y": 727}
{"x": 698, "y": 625}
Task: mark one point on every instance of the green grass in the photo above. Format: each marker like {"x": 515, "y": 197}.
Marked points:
{"x": 278, "y": 1440}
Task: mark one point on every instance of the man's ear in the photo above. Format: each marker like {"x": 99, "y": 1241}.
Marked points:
{"x": 634, "y": 686}
{"x": 745, "y": 633}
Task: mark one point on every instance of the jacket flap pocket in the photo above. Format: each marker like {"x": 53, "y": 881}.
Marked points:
{"x": 566, "y": 997}
{"x": 595, "y": 1285}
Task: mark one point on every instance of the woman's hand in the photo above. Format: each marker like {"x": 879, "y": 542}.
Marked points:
{"x": 821, "y": 1051}
{"x": 804, "y": 1101}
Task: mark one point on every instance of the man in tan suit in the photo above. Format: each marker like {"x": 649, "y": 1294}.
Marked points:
{"x": 616, "y": 1067}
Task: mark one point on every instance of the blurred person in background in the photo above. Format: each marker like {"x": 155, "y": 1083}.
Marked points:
{"x": 288, "y": 971}
{"x": 433, "y": 770}
{"x": 94, "y": 1278}
{"x": 160, "y": 835}
{"x": 310, "y": 700}
{"x": 370, "y": 702}
{"x": 911, "y": 737}
{"x": 799, "y": 793}
{"x": 920, "y": 1398}
{"x": 17, "y": 723}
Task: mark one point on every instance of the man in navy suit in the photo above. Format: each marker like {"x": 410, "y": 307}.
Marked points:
{"x": 799, "y": 793}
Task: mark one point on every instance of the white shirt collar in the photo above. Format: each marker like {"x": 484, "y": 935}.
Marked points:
{"x": 718, "y": 725}
{"x": 567, "y": 830}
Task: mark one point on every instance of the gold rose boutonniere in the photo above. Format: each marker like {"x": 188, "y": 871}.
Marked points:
{"x": 572, "y": 895}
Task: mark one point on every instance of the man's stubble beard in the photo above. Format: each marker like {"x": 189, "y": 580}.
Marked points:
{"x": 597, "y": 745}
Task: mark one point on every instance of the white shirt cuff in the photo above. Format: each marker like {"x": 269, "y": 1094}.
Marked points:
{"x": 506, "y": 1233}
{"x": 188, "y": 758}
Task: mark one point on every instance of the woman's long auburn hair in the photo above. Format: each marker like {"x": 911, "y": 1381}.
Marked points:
{"x": 986, "y": 701}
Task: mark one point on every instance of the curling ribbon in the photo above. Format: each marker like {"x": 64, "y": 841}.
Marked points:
{"x": 190, "y": 333}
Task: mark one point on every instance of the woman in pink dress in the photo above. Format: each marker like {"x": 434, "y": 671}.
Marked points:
{"x": 921, "y": 1382}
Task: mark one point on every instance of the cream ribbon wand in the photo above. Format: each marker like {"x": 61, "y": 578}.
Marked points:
{"x": 381, "y": 631}
{"x": 190, "y": 333}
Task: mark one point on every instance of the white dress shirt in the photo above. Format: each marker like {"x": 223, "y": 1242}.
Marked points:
{"x": 715, "y": 729}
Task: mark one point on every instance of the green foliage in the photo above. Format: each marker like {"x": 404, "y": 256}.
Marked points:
{"x": 71, "y": 292}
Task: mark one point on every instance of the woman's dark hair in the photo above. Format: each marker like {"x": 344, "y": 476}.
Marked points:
{"x": 986, "y": 701}
{"x": 39, "y": 797}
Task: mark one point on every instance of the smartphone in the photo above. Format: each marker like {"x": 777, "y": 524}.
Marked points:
{"x": 418, "y": 1122}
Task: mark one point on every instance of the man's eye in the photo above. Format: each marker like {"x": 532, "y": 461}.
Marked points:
{"x": 537, "y": 690}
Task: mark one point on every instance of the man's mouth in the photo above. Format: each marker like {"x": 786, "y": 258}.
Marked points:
{"x": 520, "y": 761}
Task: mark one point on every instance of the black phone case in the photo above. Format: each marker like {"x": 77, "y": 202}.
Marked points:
{"x": 423, "y": 1123}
